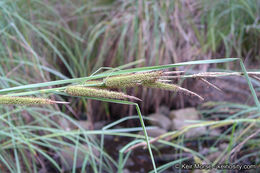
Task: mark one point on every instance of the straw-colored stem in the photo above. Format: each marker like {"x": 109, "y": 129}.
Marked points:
{"x": 173, "y": 72}
{"x": 210, "y": 84}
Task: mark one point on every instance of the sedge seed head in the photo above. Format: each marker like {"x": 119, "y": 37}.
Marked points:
{"x": 161, "y": 85}
{"x": 131, "y": 80}
{"x": 171, "y": 87}
{"x": 97, "y": 92}
{"x": 24, "y": 100}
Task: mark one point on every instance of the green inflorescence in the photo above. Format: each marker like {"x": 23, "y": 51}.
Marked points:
{"x": 132, "y": 80}
{"x": 171, "y": 87}
{"x": 96, "y": 92}
{"x": 23, "y": 100}
{"x": 98, "y": 88}
{"x": 161, "y": 85}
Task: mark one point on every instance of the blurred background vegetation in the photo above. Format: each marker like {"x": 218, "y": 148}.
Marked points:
{"x": 46, "y": 40}
{"x": 68, "y": 39}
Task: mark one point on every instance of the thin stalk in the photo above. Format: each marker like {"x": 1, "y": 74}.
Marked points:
{"x": 249, "y": 84}
{"x": 146, "y": 136}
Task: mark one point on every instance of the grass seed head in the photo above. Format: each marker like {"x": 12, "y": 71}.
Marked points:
{"x": 171, "y": 87}
{"x": 131, "y": 80}
{"x": 96, "y": 92}
{"x": 25, "y": 100}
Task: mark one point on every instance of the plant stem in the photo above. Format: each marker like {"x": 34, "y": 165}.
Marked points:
{"x": 146, "y": 136}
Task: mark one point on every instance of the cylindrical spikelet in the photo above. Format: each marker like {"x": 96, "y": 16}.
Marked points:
{"x": 96, "y": 92}
{"x": 131, "y": 80}
{"x": 171, "y": 87}
{"x": 25, "y": 100}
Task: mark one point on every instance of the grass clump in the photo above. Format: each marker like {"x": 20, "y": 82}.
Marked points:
{"x": 232, "y": 26}
{"x": 56, "y": 136}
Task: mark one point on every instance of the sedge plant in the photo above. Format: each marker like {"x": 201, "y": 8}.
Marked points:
{"x": 145, "y": 76}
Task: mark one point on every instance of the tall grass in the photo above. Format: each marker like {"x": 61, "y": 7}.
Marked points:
{"x": 75, "y": 38}
{"x": 28, "y": 138}
{"x": 51, "y": 44}
{"x": 231, "y": 27}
